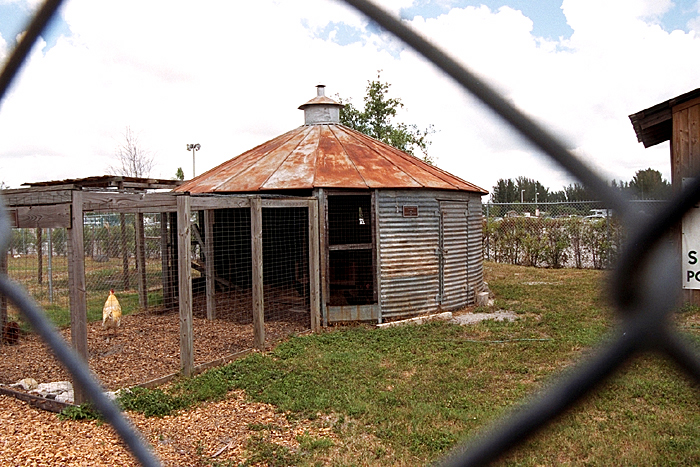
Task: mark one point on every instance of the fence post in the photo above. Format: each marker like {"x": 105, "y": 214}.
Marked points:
{"x": 3, "y": 298}
{"x": 209, "y": 263}
{"x": 488, "y": 235}
{"x": 141, "y": 261}
{"x": 184, "y": 241}
{"x": 314, "y": 268}
{"x": 257, "y": 261}
{"x": 76, "y": 284}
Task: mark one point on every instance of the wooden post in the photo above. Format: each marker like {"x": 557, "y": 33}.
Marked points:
{"x": 39, "y": 256}
{"x": 141, "y": 261}
{"x": 76, "y": 284}
{"x": 257, "y": 260}
{"x": 125, "y": 253}
{"x": 3, "y": 298}
{"x": 314, "y": 267}
{"x": 209, "y": 264}
{"x": 184, "y": 240}
{"x": 323, "y": 250}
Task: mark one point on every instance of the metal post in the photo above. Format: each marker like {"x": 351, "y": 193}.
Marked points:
{"x": 194, "y": 148}
{"x": 50, "y": 267}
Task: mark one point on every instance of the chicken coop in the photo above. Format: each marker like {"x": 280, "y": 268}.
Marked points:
{"x": 200, "y": 257}
{"x": 397, "y": 237}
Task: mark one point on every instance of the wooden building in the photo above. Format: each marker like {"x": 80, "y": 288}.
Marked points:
{"x": 676, "y": 120}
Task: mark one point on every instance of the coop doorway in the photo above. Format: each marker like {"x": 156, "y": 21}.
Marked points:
{"x": 351, "y": 257}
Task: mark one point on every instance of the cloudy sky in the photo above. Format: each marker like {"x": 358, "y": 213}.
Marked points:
{"x": 231, "y": 75}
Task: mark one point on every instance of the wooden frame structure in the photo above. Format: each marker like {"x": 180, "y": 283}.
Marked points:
{"x": 62, "y": 204}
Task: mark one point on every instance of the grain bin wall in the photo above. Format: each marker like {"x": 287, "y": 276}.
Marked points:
{"x": 429, "y": 250}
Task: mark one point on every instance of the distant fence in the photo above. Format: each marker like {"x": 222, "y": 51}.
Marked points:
{"x": 582, "y": 234}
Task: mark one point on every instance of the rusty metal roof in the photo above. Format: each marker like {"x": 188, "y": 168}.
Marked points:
{"x": 323, "y": 156}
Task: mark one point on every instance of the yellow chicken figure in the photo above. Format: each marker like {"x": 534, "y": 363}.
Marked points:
{"x": 112, "y": 312}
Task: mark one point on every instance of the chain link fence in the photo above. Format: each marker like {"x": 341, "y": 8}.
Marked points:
{"x": 642, "y": 285}
{"x": 583, "y": 234}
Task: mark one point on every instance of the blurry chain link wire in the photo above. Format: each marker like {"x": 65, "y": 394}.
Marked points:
{"x": 643, "y": 287}
{"x": 76, "y": 366}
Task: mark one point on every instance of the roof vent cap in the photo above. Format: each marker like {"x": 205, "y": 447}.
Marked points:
{"x": 321, "y": 110}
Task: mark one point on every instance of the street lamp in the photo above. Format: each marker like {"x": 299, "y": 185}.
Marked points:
{"x": 194, "y": 148}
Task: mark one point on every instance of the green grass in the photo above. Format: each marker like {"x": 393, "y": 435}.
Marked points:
{"x": 406, "y": 395}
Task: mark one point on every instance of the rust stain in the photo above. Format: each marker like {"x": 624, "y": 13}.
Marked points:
{"x": 323, "y": 156}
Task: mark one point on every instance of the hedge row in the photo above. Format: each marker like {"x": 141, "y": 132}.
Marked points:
{"x": 552, "y": 242}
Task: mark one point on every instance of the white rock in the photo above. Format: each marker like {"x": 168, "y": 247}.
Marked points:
{"x": 28, "y": 384}
{"x": 54, "y": 388}
{"x": 67, "y": 397}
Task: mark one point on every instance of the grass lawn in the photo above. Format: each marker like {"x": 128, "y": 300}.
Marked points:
{"x": 406, "y": 395}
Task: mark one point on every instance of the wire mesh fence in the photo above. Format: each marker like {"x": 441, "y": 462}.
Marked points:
{"x": 582, "y": 234}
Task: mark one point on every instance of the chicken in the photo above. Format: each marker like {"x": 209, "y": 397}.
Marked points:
{"x": 112, "y": 312}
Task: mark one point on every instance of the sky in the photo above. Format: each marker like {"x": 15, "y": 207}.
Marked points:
{"x": 231, "y": 75}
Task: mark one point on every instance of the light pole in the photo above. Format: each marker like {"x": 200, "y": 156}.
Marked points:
{"x": 537, "y": 209}
{"x": 194, "y": 148}
{"x": 522, "y": 192}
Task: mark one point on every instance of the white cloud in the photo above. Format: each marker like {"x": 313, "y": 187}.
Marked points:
{"x": 231, "y": 75}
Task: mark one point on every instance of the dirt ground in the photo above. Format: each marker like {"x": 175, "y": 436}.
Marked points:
{"x": 145, "y": 347}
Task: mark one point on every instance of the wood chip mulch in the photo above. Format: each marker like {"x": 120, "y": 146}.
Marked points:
{"x": 144, "y": 348}
{"x": 215, "y": 431}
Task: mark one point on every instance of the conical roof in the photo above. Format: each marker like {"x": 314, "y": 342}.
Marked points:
{"x": 323, "y": 155}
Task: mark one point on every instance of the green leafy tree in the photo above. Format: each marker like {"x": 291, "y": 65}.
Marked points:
{"x": 505, "y": 191}
{"x": 179, "y": 174}
{"x": 649, "y": 184}
{"x": 375, "y": 120}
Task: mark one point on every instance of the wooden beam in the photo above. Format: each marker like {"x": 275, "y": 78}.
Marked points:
{"x": 257, "y": 260}
{"x": 219, "y": 202}
{"x": 50, "y": 405}
{"x": 76, "y": 285}
{"x": 141, "y": 261}
{"x": 209, "y": 265}
{"x": 184, "y": 239}
{"x": 314, "y": 267}
{"x": 130, "y": 202}
{"x": 43, "y": 216}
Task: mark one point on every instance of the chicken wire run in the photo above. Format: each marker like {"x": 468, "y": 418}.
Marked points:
{"x": 164, "y": 256}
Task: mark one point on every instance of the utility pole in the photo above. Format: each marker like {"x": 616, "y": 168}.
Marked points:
{"x": 194, "y": 148}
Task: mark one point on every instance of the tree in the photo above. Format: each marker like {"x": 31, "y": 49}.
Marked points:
{"x": 132, "y": 159}
{"x": 179, "y": 174}
{"x": 649, "y": 184}
{"x": 505, "y": 191}
{"x": 375, "y": 120}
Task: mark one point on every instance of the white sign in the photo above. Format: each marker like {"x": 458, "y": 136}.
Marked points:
{"x": 690, "y": 239}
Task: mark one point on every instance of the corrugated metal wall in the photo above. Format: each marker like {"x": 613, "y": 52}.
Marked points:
{"x": 408, "y": 253}
{"x": 414, "y": 251}
{"x": 453, "y": 255}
